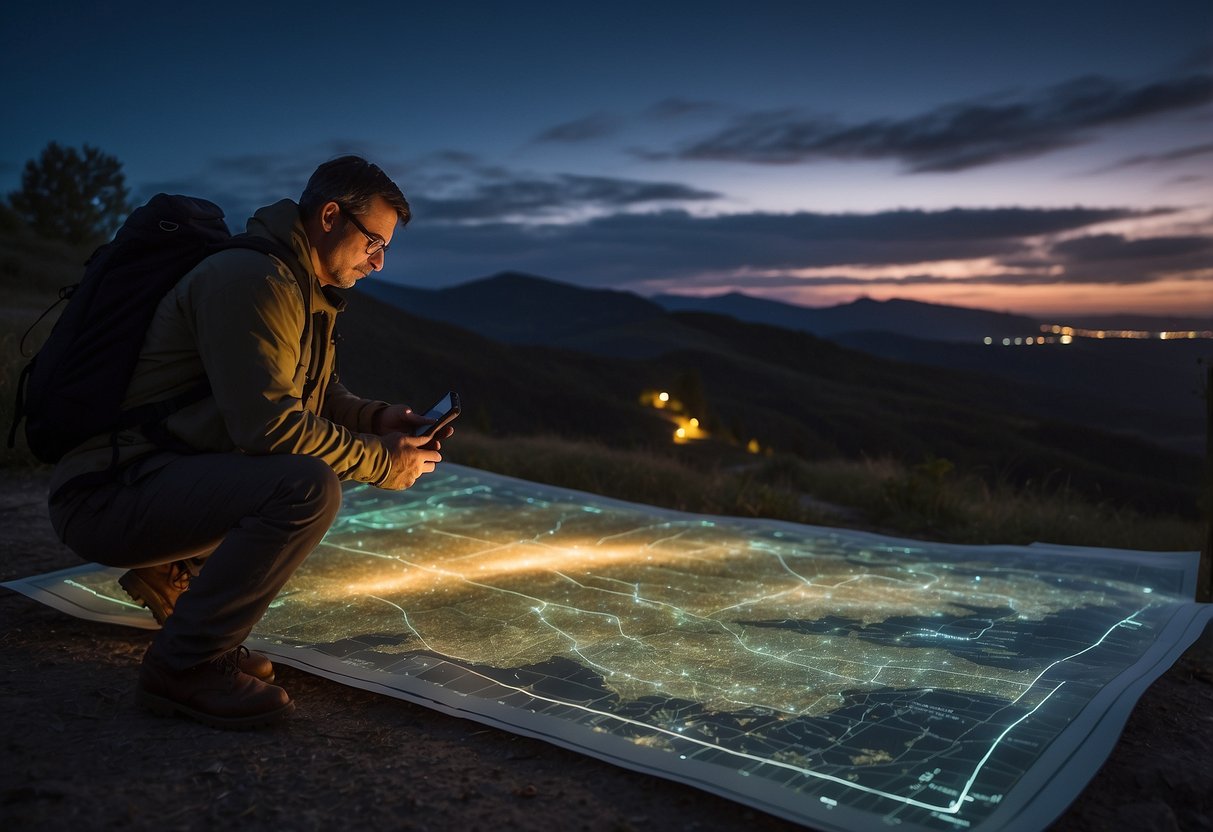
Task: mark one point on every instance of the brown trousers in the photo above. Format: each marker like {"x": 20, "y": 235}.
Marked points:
{"x": 254, "y": 519}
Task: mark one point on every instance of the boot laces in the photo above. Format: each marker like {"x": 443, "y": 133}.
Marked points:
{"x": 180, "y": 573}
{"x": 229, "y": 662}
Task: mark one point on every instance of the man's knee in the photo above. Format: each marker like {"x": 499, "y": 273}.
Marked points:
{"x": 308, "y": 489}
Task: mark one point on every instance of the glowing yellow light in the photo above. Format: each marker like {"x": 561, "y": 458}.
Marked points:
{"x": 513, "y": 560}
{"x": 1067, "y": 339}
{"x": 753, "y": 447}
{"x": 987, "y": 340}
{"x": 694, "y": 422}
{"x": 663, "y": 396}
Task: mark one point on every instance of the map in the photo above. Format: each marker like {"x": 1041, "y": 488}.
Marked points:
{"x": 836, "y": 678}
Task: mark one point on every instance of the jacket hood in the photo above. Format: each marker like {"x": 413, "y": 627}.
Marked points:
{"x": 281, "y": 222}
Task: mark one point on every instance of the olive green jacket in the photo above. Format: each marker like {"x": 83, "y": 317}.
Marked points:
{"x": 237, "y": 322}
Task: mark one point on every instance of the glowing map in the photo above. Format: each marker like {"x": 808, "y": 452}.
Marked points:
{"x": 839, "y": 679}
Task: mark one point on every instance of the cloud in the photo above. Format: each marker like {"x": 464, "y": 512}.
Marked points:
{"x": 1178, "y": 155}
{"x": 1114, "y": 258}
{"x": 521, "y": 196}
{"x": 632, "y": 248}
{"x": 1102, "y": 248}
{"x": 583, "y": 129}
{"x": 602, "y": 124}
{"x": 957, "y": 136}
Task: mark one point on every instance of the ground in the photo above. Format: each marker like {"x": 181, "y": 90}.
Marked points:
{"x": 78, "y": 753}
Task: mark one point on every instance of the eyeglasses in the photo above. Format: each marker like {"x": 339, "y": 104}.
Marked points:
{"x": 376, "y": 243}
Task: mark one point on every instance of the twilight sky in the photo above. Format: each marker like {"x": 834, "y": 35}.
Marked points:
{"x": 1044, "y": 157}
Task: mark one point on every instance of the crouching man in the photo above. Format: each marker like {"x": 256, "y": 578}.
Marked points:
{"x": 240, "y": 486}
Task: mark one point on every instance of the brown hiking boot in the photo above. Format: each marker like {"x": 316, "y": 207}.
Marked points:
{"x": 257, "y": 665}
{"x": 158, "y": 587}
{"x": 216, "y": 693}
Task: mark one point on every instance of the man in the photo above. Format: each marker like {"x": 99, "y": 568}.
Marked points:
{"x": 238, "y": 488}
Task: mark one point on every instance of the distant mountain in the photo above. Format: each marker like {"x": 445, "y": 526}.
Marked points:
{"x": 902, "y": 317}
{"x": 524, "y": 309}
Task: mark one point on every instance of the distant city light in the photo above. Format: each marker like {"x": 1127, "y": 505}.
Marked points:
{"x": 1136, "y": 334}
{"x": 1059, "y": 333}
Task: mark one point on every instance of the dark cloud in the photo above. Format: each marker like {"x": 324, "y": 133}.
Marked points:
{"x": 1190, "y": 179}
{"x": 580, "y": 130}
{"x": 1114, "y": 258}
{"x": 957, "y": 136}
{"x": 1003, "y": 279}
{"x": 534, "y": 196}
{"x": 1101, "y": 248}
{"x": 632, "y": 248}
{"x": 1178, "y": 155}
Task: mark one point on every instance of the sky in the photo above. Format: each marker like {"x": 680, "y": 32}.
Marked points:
{"x": 1050, "y": 158}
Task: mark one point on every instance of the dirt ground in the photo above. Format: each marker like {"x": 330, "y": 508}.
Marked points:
{"x": 78, "y": 753}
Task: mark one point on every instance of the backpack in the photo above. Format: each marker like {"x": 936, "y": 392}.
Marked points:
{"x": 72, "y": 389}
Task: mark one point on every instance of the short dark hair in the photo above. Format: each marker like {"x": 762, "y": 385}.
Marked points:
{"x": 352, "y": 182}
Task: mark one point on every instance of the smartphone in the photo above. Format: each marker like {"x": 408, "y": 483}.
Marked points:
{"x": 445, "y": 410}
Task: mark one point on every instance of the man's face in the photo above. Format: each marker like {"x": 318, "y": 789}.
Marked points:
{"x": 342, "y": 250}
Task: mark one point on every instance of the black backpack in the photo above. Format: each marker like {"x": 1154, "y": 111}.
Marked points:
{"x": 73, "y": 389}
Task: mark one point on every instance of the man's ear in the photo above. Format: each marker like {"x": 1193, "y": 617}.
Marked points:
{"x": 328, "y": 215}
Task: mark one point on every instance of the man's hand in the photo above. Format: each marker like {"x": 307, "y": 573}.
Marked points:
{"x": 399, "y": 418}
{"x": 411, "y": 456}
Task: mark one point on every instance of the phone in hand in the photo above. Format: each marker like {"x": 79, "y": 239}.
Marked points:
{"x": 445, "y": 410}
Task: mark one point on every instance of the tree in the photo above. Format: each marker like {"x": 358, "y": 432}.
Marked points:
{"x": 77, "y": 196}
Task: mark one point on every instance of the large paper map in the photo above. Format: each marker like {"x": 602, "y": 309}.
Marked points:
{"x": 836, "y": 678}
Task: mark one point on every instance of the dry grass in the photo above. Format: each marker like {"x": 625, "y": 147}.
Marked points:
{"x": 928, "y": 501}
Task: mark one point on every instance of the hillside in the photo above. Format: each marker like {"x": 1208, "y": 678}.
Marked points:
{"x": 791, "y": 391}
{"x": 1148, "y": 389}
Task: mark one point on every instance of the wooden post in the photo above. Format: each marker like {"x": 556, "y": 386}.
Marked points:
{"x": 1204, "y": 573}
